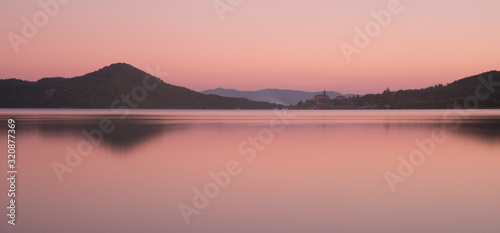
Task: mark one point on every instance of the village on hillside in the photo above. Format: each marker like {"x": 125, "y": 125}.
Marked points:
{"x": 323, "y": 101}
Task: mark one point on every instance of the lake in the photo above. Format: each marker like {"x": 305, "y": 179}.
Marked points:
{"x": 254, "y": 171}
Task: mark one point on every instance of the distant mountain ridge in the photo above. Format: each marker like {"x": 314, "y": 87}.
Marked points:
{"x": 278, "y": 96}
{"x": 103, "y": 88}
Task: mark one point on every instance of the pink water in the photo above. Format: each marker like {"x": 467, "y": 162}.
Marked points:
{"x": 310, "y": 171}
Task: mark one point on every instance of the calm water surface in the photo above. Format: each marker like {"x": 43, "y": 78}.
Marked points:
{"x": 255, "y": 171}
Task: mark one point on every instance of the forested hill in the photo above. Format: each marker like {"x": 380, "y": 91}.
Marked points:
{"x": 116, "y": 86}
{"x": 481, "y": 91}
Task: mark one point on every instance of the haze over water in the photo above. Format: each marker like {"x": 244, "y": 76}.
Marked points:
{"x": 319, "y": 171}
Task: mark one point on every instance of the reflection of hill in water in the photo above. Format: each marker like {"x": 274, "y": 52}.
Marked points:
{"x": 131, "y": 132}
{"x": 126, "y": 134}
{"x": 487, "y": 131}
{"x": 484, "y": 130}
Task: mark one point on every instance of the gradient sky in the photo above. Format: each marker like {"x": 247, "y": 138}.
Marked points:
{"x": 288, "y": 44}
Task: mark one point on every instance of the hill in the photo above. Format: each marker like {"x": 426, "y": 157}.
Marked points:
{"x": 114, "y": 86}
{"x": 452, "y": 95}
{"x": 278, "y": 96}
{"x": 479, "y": 91}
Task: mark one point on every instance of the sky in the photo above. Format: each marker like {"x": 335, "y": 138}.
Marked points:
{"x": 248, "y": 45}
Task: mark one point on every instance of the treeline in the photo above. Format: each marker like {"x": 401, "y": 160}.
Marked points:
{"x": 480, "y": 91}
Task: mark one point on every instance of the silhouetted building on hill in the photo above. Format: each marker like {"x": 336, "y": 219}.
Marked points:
{"x": 321, "y": 101}
{"x": 388, "y": 91}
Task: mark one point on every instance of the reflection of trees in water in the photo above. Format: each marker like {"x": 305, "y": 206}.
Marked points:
{"x": 485, "y": 130}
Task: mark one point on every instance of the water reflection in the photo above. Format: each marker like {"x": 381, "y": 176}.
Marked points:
{"x": 488, "y": 131}
{"x": 322, "y": 173}
{"x": 143, "y": 126}
{"x": 124, "y": 135}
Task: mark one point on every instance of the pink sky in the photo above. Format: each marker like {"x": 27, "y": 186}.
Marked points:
{"x": 287, "y": 44}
